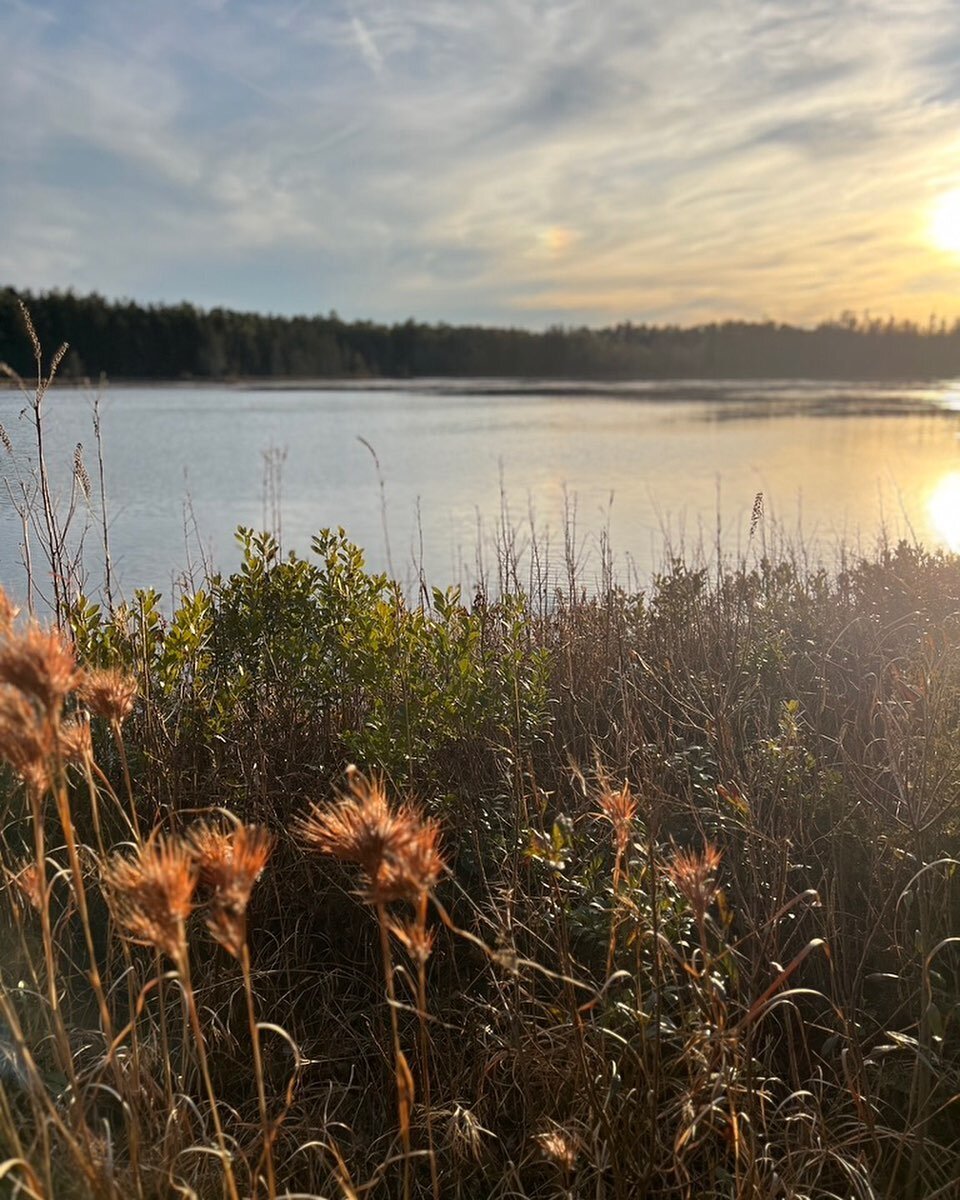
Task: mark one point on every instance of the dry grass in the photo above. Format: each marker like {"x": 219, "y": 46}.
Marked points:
{"x": 677, "y": 987}
{"x": 722, "y": 962}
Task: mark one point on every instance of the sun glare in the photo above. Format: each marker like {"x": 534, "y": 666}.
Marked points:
{"x": 945, "y": 222}
{"x": 944, "y": 509}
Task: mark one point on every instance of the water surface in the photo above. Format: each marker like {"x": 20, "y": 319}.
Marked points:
{"x": 654, "y": 466}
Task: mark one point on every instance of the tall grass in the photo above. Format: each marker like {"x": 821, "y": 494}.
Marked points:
{"x": 635, "y": 893}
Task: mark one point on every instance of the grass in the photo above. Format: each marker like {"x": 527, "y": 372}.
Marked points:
{"x": 633, "y": 893}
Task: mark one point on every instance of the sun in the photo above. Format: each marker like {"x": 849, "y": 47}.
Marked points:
{"x": 945, "y": 222}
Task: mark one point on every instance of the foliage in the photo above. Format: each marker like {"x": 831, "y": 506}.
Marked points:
{"x": 328, "y": 659}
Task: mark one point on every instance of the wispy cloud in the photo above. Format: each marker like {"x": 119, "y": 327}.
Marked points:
{"x": 367, "y": 46}
{"x": 513, "y": 161}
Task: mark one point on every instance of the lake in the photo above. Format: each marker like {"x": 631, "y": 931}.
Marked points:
{"x": 648, "y": 468}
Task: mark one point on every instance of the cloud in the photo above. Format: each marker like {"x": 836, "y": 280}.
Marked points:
{"x": 514, "y": 161}
{"x": 367, "y": 46}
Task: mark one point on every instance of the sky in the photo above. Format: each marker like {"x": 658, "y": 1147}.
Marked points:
{"x": 520, "y": 162}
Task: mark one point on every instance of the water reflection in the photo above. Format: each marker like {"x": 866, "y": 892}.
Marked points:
{"x": 944, "y": 509}
{"x": 458, "y": 464}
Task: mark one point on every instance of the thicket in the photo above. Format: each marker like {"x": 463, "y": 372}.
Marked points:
{"x": 125, "y": 340}
{"x": 634, "y": 893}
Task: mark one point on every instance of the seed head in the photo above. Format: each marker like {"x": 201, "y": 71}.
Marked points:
{"x": 463, "y": 1134}
{"x": 26, "y": 741}
{"x": 151, "y": 893}
{"x": 41, "y": 665}
{"x": 109, "y": 693}
{"x": 693, "y": 874}
{"x": 8, "y": 613}
{"x": 73, "y": 738}
{"x": 230, "y": 863}
{"x": 561, "y": 1146}
{"x": 397, "y": 849}
{"x": 415, "y": 938}
{"x": 620, "y": 809}
{"x": 80, "y": 472}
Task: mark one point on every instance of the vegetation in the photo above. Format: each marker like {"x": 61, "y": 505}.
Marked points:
{"x": 130, "y": 341}
{"x": 645, "y": 894}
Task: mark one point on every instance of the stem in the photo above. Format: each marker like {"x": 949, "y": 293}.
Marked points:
{"x": 59, "y": 1030}
{"x": 48, "y": 514}
{"x": 402, "y": 1071}
{"x": 80, "y": 894}
{"x": 183, "y": 968}
{"x": 268, "y": 1132}
{"x": 107, "y": 566}
{"x": 127, "y": 781}
{"x": 425, "y": 1043}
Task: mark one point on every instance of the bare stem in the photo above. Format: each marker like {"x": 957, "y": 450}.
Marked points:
{"x": 268, "y": 1131}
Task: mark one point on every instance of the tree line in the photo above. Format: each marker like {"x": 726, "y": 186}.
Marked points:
{"x": 126, "y": 340}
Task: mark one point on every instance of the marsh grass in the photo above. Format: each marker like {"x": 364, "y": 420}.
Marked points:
{"x": 637, "y": 893}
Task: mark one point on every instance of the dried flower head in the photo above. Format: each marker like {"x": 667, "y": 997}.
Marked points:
{"x": 619, "y": 807}
{"x": 230, "y": 862}
{"x": 415, "y": 938}
{"x": 693, "y": 874}
{"x": 151, "y": 893}
{"x": 26, "y": 741}
{"x": 80, "y": 472}
{"x": 109, "y": 693}
{"x": 561, "y": 1146}
{"x": 463, "y": 1134}
{"x": 8, "y": 613}
{"x": 396, "y": 848}
{"x": 413, "y": 863}
{"x": 41, "y": 665}
{"x": 74, "y": 741}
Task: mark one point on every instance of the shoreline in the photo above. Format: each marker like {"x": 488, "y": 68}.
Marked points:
{"x": 505, "y": 385}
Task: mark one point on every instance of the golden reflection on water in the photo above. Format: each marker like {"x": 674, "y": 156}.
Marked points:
{"x": 944, "y": 509}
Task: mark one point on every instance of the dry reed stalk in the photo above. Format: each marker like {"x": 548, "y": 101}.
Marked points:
{"x": 397, "y": 850}
{"x": 619, "y": 807}
{"x": 418, "y": 941}
{"x": 37, "y": 673}
{"x": 151, "y": 896}
{"x": 230, "y": 863}
{"x": 48, "y": 1111}
{"x": 26, "y": 885}
{"x": 55, "y": 532}
{"x": 73, "y": 744}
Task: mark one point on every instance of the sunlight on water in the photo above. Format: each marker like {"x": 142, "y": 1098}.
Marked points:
{"x": 646, "y": 470}
{"x": 944, "y": 509}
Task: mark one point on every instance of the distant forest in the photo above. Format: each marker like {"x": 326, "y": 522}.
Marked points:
{"x": 124, "y": 340}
